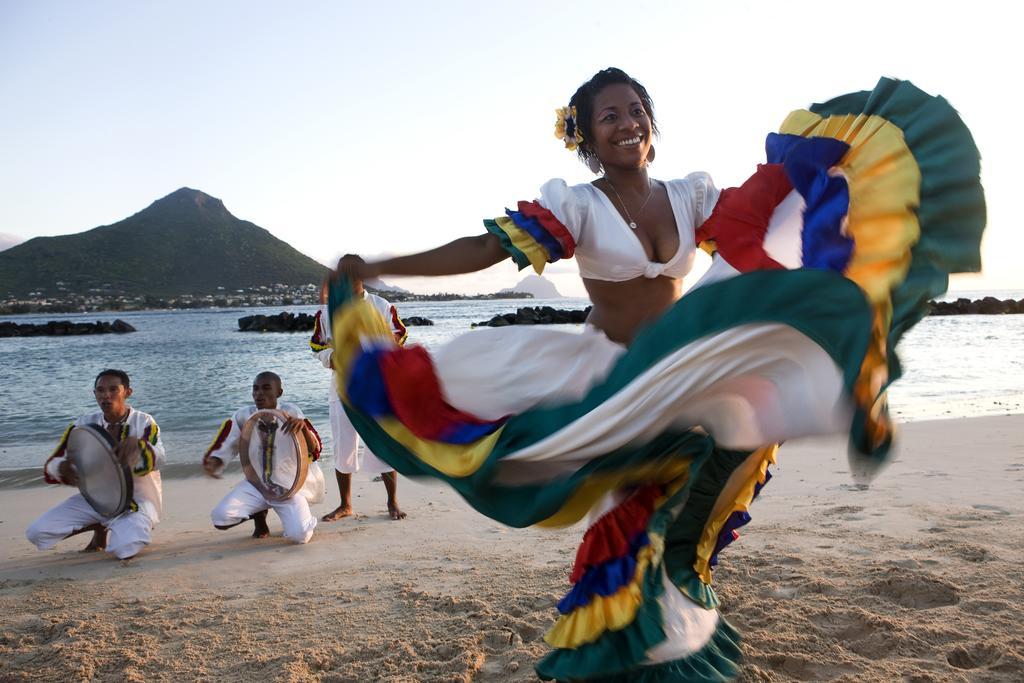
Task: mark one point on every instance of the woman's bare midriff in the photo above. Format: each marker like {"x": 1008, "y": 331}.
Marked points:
{"x": 622, "y": 308}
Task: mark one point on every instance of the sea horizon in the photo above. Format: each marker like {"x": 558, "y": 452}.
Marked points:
{"x": 192, "y": 369}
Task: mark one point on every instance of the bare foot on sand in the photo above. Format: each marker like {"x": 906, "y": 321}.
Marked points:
{"x": 98, "y": 542}
{"x": 260, "y": 522}
{"x": 336, "y": 514}
{"x": 395, "y": 512}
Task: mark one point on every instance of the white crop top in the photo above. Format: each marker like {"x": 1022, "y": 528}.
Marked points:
{"x": 607, "y": 248}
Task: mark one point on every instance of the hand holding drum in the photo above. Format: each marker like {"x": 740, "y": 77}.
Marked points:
{"x": 100, "y": 468}
{"x": 273, "y": 452}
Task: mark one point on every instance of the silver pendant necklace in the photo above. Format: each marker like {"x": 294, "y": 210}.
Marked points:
{"x": 640, "y": 211}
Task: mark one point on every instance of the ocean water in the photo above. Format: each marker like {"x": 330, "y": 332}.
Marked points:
{"x": 193, "y": 369}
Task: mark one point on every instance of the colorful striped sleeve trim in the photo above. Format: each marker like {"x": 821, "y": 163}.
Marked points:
{"x": 152, "y": 433}
{"x": 551, "y": 225}
{"x": 518, "y": 257}
{"x": 532, "y": 236}
{"x": 147, "y": 461}
{"x": 59, "y": 452}
{"x": 218, "y": 441}
{"x": 318, "y": 342}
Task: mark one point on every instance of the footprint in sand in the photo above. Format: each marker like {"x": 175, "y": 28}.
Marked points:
{"x": 804, "y": 668}
{"x": 499, "y": 641}
{"x": 844, "y": 510}
{"x": 985, "y": 606}
{"x": 915, "y": 590}
{"x": 974, "y": 656}
{"x": 858, "y": 631}
{"x": 907, "y": 563}
{"x": 991, "y": 508}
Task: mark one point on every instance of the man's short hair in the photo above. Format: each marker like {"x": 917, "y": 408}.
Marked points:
{"x": 273, "y": 375}
{"x": 110, "y": 372}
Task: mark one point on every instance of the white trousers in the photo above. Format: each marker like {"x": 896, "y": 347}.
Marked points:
{"x": 130, "y": 532}
{"x": 245, "y": 500}
{"x": 346, "y": 442}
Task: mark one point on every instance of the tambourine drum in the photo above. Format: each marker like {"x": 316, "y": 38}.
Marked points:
{"x": 273, "y": 461}
{"x": 103, "y": 480}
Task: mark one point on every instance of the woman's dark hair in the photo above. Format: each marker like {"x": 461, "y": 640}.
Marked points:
{"x": 583, "y": 100}
{"x": 110, "y": 372}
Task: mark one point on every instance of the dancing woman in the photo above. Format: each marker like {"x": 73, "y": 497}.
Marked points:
{"x": 659, "y": 421}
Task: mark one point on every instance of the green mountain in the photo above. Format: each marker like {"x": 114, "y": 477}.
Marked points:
{"x": 185, "y": 243}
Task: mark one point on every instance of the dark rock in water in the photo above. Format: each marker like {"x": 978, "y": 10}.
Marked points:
{"x": 537, "y": 315}
{"x": 992, "y": 306}
{"x": 417, "y": 321}
{"x": 62, "y": 328}
{"x": 282, "y": 322}
{"x": 986, "y": 306}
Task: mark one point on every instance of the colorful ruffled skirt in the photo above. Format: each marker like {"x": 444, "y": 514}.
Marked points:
{"x": 823, "y": 259}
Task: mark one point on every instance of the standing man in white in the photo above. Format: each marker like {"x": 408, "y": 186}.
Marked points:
{"x": 343, "y": 434}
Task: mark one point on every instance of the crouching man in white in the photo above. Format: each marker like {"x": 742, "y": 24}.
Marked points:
{"x": 245, "y": 501}
{"x": 139, "y": 446}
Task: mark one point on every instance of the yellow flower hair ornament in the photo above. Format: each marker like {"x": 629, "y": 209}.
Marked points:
{"x": 566, "y": 129}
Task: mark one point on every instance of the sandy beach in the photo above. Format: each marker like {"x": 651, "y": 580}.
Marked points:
{"x": 917, "y": 578}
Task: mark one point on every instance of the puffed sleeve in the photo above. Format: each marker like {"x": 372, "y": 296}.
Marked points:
{"x": 705, "y": 196}
{"x": 541, "y": 231}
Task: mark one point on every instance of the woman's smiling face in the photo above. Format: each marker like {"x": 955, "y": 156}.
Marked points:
{"x": 621, "y": 128}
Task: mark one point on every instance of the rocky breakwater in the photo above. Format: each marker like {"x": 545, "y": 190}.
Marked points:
{"x": 63, "y": 328}
{"x": 537, "y": 315}
{"x": 282, "y": 322}
{"x": 303, "y": 322}
{"x": 986, "y": 306}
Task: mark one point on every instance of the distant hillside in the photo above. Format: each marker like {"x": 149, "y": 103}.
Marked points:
{"x": 382, "y": 286}
{"x": 536, "y": 285}
{"x": 185, "y": 243}
{"x": 7, "y": 240}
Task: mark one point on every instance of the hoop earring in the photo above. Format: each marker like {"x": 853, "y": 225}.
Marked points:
{"x": 650, "y": 155}
{"x": 594, "y": 164}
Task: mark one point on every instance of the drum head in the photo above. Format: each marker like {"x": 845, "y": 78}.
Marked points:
{"x": 273, "y": 461}
{"x": 103, "y": 481}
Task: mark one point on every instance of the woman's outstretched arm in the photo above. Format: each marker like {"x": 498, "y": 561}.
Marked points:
{"x": 464, "y": 255}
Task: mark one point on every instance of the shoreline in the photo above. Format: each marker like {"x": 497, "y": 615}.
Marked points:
{"x": 14, "y": 478}
{"x": 918, "y": 577}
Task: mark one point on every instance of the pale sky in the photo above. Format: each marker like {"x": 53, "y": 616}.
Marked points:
{"x": 396, "y": 126}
